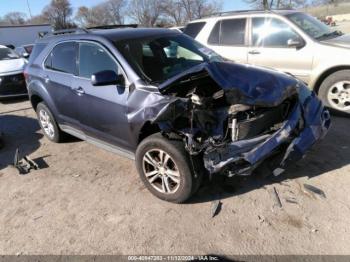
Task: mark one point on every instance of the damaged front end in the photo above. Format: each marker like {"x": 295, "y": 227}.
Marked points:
{"x": 237, "y": 116}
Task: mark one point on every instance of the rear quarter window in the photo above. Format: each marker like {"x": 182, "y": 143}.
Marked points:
{"x": 193, "y": 29}
{"x": 38, "y": 48}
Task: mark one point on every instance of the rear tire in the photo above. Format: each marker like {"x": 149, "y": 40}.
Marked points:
{"x": 335, "y": 91}
{"x": 166, "y": 169}
{"x": 48, "y": 123}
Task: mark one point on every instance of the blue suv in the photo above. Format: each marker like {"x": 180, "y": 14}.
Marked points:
{"x": 175, "y": 106}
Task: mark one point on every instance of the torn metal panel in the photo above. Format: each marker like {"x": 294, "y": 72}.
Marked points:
{"x": 242, "y": 84}
{"x": 235, "y": 116}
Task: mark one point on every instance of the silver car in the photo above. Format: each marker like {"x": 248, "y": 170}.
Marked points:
{"x": 287, "y": 40}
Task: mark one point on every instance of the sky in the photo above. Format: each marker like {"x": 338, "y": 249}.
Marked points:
{"x": 37, "y": 5}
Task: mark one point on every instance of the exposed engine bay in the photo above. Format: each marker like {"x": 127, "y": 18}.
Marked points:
{"x": 235, "y": 125}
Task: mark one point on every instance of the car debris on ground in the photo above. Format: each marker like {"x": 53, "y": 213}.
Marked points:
{"x": 315, "y": 190}
{"x": 277, "y": 197}
{"x": 215, "y": 208}
{"x": 25, "y": 164}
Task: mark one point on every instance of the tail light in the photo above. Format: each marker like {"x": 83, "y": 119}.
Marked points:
{"x": 25, "y": 74}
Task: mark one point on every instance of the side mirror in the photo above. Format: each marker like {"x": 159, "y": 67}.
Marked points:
{"x": 107, "y": 77}
{"x": 297, "y": 43}
{"x": 25, "y": 55}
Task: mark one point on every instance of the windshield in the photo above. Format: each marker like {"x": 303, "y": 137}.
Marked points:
{"x": 156, "y": 59}
{"x": 7, "y": 54}
{"x": 313, "y": 27}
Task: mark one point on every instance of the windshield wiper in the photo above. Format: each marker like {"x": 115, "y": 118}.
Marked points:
{"x": 327, "y": 35}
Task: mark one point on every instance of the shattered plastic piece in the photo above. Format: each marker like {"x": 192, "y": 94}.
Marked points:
{"x": 215, "y": 208}
{"x": 278, "y": 200}
{"x": 24, "y": 165}
{"x": 315, "y": 190}
{"x": 292, "y": 201}
{"x": 278, "y": 171}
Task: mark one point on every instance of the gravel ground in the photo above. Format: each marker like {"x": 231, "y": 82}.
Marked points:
{"x": 89, "y": 201}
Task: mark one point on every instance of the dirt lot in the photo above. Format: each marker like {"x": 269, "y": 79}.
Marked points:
{"x": 343, "y": 26}
{"x": 89, "y": 201}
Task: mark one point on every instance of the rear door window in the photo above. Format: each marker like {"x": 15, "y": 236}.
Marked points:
{"x": 193, "y": 29}
{"x": 229, "y": 32}
{"x": 233, "y": 31}
{"x": 63, "y": 58}
{"x": 214, "y": 37}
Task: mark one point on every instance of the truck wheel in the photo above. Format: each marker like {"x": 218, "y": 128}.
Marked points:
{"x": 166, "y": 169}
{"x": 48, "y": 123}
{"x": 335, "y": 91}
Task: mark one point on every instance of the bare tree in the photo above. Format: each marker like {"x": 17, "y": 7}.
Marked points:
{"x": 38, "y": 19}
{"x": 59, "y": 13}
{"x": 106, "y": 13}
{"x": 115, "y": 10}
{"x": 174, "y": 9}
{"x": 14, "y": 18}
{"x": 146, "y": 12}
{"x": 182, "y": 11}
{"x": 270, "y": 4}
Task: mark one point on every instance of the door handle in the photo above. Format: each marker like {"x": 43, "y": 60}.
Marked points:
{"x": 254, "y": 52}
{"x": 79, "y": 90}
{"x": 47, "y": 79}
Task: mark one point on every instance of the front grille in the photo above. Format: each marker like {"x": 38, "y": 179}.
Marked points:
{"x": 12, "y": 85}
{"x": 264, "y": 120}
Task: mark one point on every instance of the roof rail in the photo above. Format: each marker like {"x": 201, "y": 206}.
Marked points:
{"x": 64, "y": 31}
{"x": 70, "y": 31}
{"x": 244, "y": 11}
{"x": 113, "y": 26}
{"x": 235, "y": 12}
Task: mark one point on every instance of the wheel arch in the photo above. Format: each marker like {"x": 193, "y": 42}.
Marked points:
{"x": 146, "y": 130}
{"x": 327, "y": 73}
{"x": 35, "y": 100}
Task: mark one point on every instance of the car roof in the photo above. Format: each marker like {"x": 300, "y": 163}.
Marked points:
{"x": 111, "y": 34}
{"x": 229, "y": 14}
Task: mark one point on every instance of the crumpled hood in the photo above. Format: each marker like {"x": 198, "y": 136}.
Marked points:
{"x": 12, "y": 65}
{"x": 340, "y": 41}
{"x": 244, "y": 84}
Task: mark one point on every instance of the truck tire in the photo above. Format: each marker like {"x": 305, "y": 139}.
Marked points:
{"x": 166, "y": 169}
{"x": 335, "y": 91}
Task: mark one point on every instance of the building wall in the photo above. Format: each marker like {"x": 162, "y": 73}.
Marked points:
{"x": 21, "y": 35}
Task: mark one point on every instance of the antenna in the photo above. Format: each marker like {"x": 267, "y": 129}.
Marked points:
{"x": 30, "y": 12}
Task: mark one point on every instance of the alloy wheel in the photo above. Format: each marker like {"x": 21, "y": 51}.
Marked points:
{"x": 46, "y": 123}
{"x": 339, "y": 95}
{"x": 161, "y": 171}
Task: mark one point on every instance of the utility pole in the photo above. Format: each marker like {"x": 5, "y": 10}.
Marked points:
{"x": 30, "y": 12}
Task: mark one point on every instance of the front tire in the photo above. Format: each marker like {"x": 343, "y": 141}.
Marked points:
{"x": 166, "y": 170}
{"x": 48, "y": 123}
{"x": 335, "y": 91}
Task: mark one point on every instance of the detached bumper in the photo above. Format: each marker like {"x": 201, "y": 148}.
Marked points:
{"x": 308, "y": 122}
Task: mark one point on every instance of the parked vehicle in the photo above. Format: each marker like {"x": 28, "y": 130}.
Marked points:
{"x": 24, "y": 51}
{"x": 287, "y": 40}
{"x": 12, "y": 83}
{"x": 179, "y": 115}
